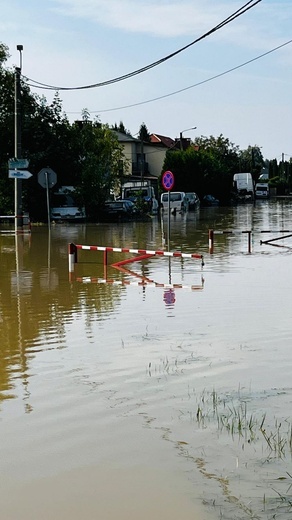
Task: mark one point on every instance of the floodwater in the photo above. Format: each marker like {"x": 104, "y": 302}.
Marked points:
{"x": 168, "y": 398}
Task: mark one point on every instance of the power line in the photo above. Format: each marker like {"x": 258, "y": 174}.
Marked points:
{"x": 246, "y": 7}
{"x": 190, "y": 86}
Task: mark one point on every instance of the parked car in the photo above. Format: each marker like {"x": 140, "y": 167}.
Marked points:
{"x": 193, "y": 200}
{"x": 64, "y": 206}
{"x": 262, "y": 190}
{"x": 209, "y": 200}
{"x": 119, "y": 209}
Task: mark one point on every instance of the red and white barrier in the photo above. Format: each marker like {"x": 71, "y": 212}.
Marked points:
{"x": 89, "y": 279}
{"x": 73, "y": 258}
{"x": 139, "y": 251}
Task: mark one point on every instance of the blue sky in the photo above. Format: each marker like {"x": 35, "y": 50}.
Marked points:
{"x": 80, "y": 42}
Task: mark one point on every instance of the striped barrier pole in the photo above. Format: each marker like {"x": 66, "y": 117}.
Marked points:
{"x": 175, "y": 254}
{"x": 72, "y": 257}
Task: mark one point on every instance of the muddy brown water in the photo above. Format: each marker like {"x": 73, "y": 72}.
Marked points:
{"x": 122, "y": 400}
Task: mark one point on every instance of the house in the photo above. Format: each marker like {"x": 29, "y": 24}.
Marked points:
{"x": 144, "y": 159}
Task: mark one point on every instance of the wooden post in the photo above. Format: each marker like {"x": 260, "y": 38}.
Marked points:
{"x": 249, "y": 241}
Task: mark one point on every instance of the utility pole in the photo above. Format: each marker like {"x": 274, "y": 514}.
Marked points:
{"x": 283, "y": 167}
{"x": 142, "y": 162}
{"x": 17, "y": 142}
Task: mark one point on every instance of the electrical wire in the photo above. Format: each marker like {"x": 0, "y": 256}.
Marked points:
{"x": 246, "y": 7}
{"x": 190, "y": 86}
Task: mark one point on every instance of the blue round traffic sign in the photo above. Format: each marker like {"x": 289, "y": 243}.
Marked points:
{"x": 168, "y": 180}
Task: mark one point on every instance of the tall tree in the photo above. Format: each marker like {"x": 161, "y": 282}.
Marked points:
{"x": 121, "y": 128}
{"x": 144, "y": 135}
{"x": 251, "y": 160}
{"x": 99, "y": 158}
{"x": 206, "y": 167}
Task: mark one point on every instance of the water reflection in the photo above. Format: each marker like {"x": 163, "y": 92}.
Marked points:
{"x": 37, "y": 302}
{"x": 35, "y": 298}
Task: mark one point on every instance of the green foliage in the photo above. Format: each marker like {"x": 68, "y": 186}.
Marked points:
{"x": 207, "y": 167}
{"x": 251, "y": 160}
{"x": 100, "y": 156}
{"x": 121, "y": 128}
{"x": 144, "y": 134}
{"x": 4, "y": 53}
{"x": 86, "y": 155}
{"x": 280, "y": 184}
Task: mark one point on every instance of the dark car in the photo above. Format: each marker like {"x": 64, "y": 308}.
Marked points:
{"x": 193, "y": 200}
{"x": 209, "y": 200}
{"x": 119, "y": 209}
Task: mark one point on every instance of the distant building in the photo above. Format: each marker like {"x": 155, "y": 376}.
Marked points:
{"x": 145, "y": 159}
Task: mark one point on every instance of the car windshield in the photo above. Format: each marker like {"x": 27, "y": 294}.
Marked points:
{"x": 61, "y": 200}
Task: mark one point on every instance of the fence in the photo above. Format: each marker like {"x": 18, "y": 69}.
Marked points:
{"x": 141, "y": 255}
{"x": 249, "y": 233}
{"x": 25, "y": 228}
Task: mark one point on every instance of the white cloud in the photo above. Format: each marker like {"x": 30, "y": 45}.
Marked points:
{"x": 172, "y": 18}
{"x": 259, "y": 28}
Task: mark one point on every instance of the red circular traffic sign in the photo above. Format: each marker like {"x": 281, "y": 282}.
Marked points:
{"x": 168, "y": 180}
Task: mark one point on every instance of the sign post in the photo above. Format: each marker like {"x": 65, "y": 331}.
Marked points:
{"x": 168, "y": 183}
{"x": 18, "y": 163}
{"x": 47, "y": 178}
{"x": 17, "y": 171}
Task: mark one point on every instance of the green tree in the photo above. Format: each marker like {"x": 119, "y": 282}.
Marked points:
{"x": 251, "y": 160}
{"x": 144, "y": 135}
{"x": 44, "y": 140}
{"x": 6, "y": 131}
{"x": 4, "y": 53}
{"x": 99, "y": 159}
{"x": 205, "y": 167}
{"x": 121, "y": 128}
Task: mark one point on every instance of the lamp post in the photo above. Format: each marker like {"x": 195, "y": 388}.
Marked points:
{"x": 17, "y": 141}
{"x": 181, "y": 135}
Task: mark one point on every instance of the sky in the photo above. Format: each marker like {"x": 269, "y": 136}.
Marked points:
{"x": 72, "y": 43}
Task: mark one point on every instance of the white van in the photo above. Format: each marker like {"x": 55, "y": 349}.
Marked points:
{"x": 177, "y": 201}
{"x": 243, "y": 183}
{"x": 262, "y": 190}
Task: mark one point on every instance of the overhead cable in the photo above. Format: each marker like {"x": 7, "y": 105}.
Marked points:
{"x": 246, "y": 7}
{"x": 190, "y": 86}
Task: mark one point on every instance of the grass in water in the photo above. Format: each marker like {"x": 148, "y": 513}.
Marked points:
{"x": 232, "y": 416}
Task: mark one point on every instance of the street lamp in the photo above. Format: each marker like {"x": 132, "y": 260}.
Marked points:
{"x": 17, "y": 140}
{"x": 181, "y": 135}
